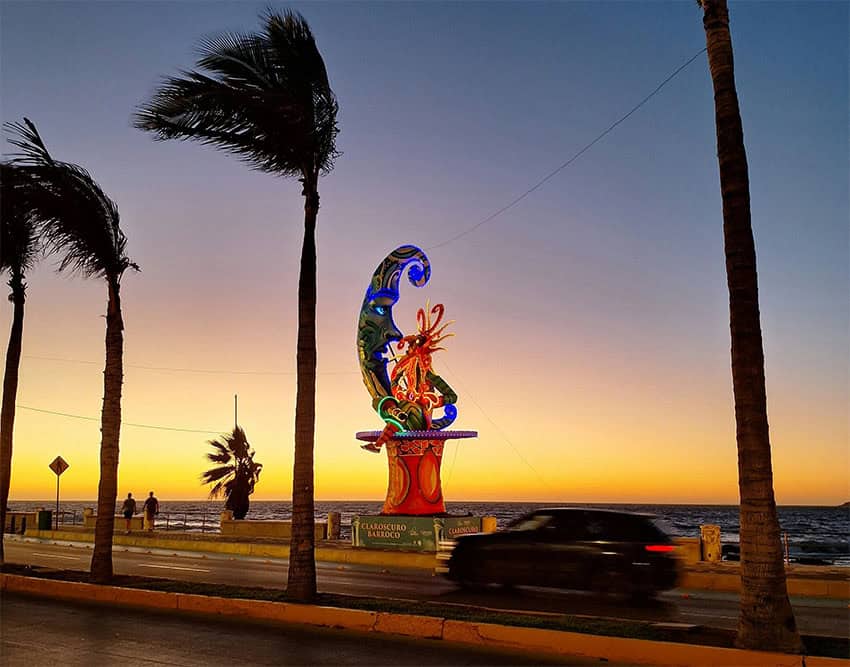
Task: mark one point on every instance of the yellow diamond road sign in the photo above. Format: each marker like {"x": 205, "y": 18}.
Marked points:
{"x": 59, "y": 465}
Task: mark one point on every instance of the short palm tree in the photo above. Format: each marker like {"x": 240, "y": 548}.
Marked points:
{"x": 766, "y": 620}
{"x": 20, "y": 246}
{"x": 82, "y": 223}
{"x": 265, "y": 97}
{"x": 236, "y": 472}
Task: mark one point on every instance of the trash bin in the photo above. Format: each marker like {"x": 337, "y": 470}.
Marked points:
{"x": 45, "y": 519}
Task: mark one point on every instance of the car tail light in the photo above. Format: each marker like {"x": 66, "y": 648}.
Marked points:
{"x": 659, "y": 548}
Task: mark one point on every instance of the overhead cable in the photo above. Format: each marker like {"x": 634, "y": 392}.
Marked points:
{"x": 153, "y": 426}
{"x": 571, "y": 160}
{"x": 186, "y": 370}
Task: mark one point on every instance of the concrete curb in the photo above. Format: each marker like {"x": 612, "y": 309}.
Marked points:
{"x": 552, "y": 642}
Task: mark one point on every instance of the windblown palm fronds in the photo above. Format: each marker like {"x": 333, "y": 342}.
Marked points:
{"x": 236, "y": 473}
{"x": 20, "y": 243}
{"x": 263, "y": 96}
{"x": 77, "y": 218}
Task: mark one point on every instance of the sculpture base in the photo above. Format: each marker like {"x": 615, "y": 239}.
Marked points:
{"x": 414, "y": 459}
{"x": 409, "y": 533}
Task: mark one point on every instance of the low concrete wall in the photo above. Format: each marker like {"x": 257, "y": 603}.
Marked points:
{"x": 688, "y": 549}
{"x": 18, "y": 522}
{"x": 529, "y": 640}
{"x": 281, "y": 529}
{"x": 802, "y": 580}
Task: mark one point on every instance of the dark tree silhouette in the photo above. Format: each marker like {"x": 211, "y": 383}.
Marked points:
{"x": 766, "y": 618}
{"x": 82, "y": 223}
{"x": 236, "y": 472}
{"x": 20, "y": 246}
{"x": 265, "y": 97}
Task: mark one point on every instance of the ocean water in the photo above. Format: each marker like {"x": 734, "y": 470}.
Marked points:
{"x": 813, "y": 532}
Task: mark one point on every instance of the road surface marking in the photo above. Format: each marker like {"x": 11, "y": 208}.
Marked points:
{"x": 36, "y": 553}
{"x": 175, "y": 567}
{"x": 699, "y": 613}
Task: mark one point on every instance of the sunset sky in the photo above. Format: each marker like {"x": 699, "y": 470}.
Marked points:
{"x": 592, "y": 330}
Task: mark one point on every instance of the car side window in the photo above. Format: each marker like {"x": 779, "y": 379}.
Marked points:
{"x": 531, "y": 522}
{"x": 570, "y": 526}
{"x": 596, "y": 528}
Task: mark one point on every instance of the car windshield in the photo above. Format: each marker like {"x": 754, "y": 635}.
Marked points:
{"x": 530, "y": 522}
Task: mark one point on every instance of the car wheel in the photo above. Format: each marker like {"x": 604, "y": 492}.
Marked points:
{"x": 472, "y": 586}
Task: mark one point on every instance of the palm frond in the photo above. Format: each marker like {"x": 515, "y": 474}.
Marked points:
{"x": 215, "y": 492}
{"x": 215, "y": 474}
{"x": 78, "y": 219}
{"x": 262, "y": 96}
{"x": 216, "y": 457}
{"x": 240, "y": 471}
{"x": 29, "y": 141}
{"x": 221, "y": 454}
{"x": 20, "y": 241}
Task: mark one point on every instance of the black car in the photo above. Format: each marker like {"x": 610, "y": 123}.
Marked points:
{"x": 574, "y": 548}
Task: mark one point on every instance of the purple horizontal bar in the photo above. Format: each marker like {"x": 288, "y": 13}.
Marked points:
{"x": 371, "y": 436}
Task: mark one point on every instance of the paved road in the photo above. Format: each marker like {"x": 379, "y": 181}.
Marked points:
{"x": 50, "y": 632}
{"x": 814, "y": 616}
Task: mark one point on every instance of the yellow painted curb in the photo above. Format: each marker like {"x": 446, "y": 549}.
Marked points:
{"x": 617, "y": 649}
{"x": 426, "y": 627}
{"x": 633, "y": 651}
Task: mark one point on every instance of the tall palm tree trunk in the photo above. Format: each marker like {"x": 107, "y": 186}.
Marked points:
{"x": 766, "y": 618}
{"x": 107, "y": 490}
{"x": 301, "y": 584}
{"x": 10, "y": 393}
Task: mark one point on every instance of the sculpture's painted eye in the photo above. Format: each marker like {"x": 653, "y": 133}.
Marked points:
{"x": 381, "y": 310}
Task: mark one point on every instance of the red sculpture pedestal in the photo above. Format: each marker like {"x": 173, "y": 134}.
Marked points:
{"x": 414, "y": 459}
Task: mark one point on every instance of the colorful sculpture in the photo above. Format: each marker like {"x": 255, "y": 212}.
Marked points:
{"x": 406, "y": 399}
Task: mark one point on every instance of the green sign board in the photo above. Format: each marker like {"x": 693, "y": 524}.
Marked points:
{"x": 413, "y": 533}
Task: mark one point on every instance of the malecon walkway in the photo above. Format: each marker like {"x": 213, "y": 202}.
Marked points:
{"x": 45, "y": 632}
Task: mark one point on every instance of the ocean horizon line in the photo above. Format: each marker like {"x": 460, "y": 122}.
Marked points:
{"x": 448, "y": 502}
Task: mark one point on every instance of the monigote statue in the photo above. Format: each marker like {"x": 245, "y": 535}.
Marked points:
{"x": 407, "y": 397}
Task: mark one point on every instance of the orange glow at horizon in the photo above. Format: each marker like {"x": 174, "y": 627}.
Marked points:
{"x": 604, "y": 438}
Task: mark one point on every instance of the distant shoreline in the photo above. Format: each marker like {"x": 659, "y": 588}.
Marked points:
{"x": 553, "y": 503}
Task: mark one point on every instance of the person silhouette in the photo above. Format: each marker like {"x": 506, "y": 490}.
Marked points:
{"x": 150, "y": 509}
{"x": 128, "y": 509}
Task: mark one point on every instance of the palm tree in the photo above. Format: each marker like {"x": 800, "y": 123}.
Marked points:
{"x": 19, "y": 247}
{"x": 82, "y": 223}
{"x": 236, "y": 473}
{"x": 766, "y": 619}
{"x": 265, "y": 97}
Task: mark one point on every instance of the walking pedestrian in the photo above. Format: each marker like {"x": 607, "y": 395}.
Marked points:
{"x": 128, "y": 509}
{"x": 150, "y": 510}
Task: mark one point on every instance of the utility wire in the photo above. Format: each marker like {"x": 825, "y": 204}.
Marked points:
{"x": 153, "y": 426}
{"x": 496, "y": 426}
{"x": 571, "y": 160}
{"x": 489, "y": 218}
{"x": 186, "y": 370}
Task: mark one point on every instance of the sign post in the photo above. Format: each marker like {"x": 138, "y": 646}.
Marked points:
{"x": 58, "y": 466}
